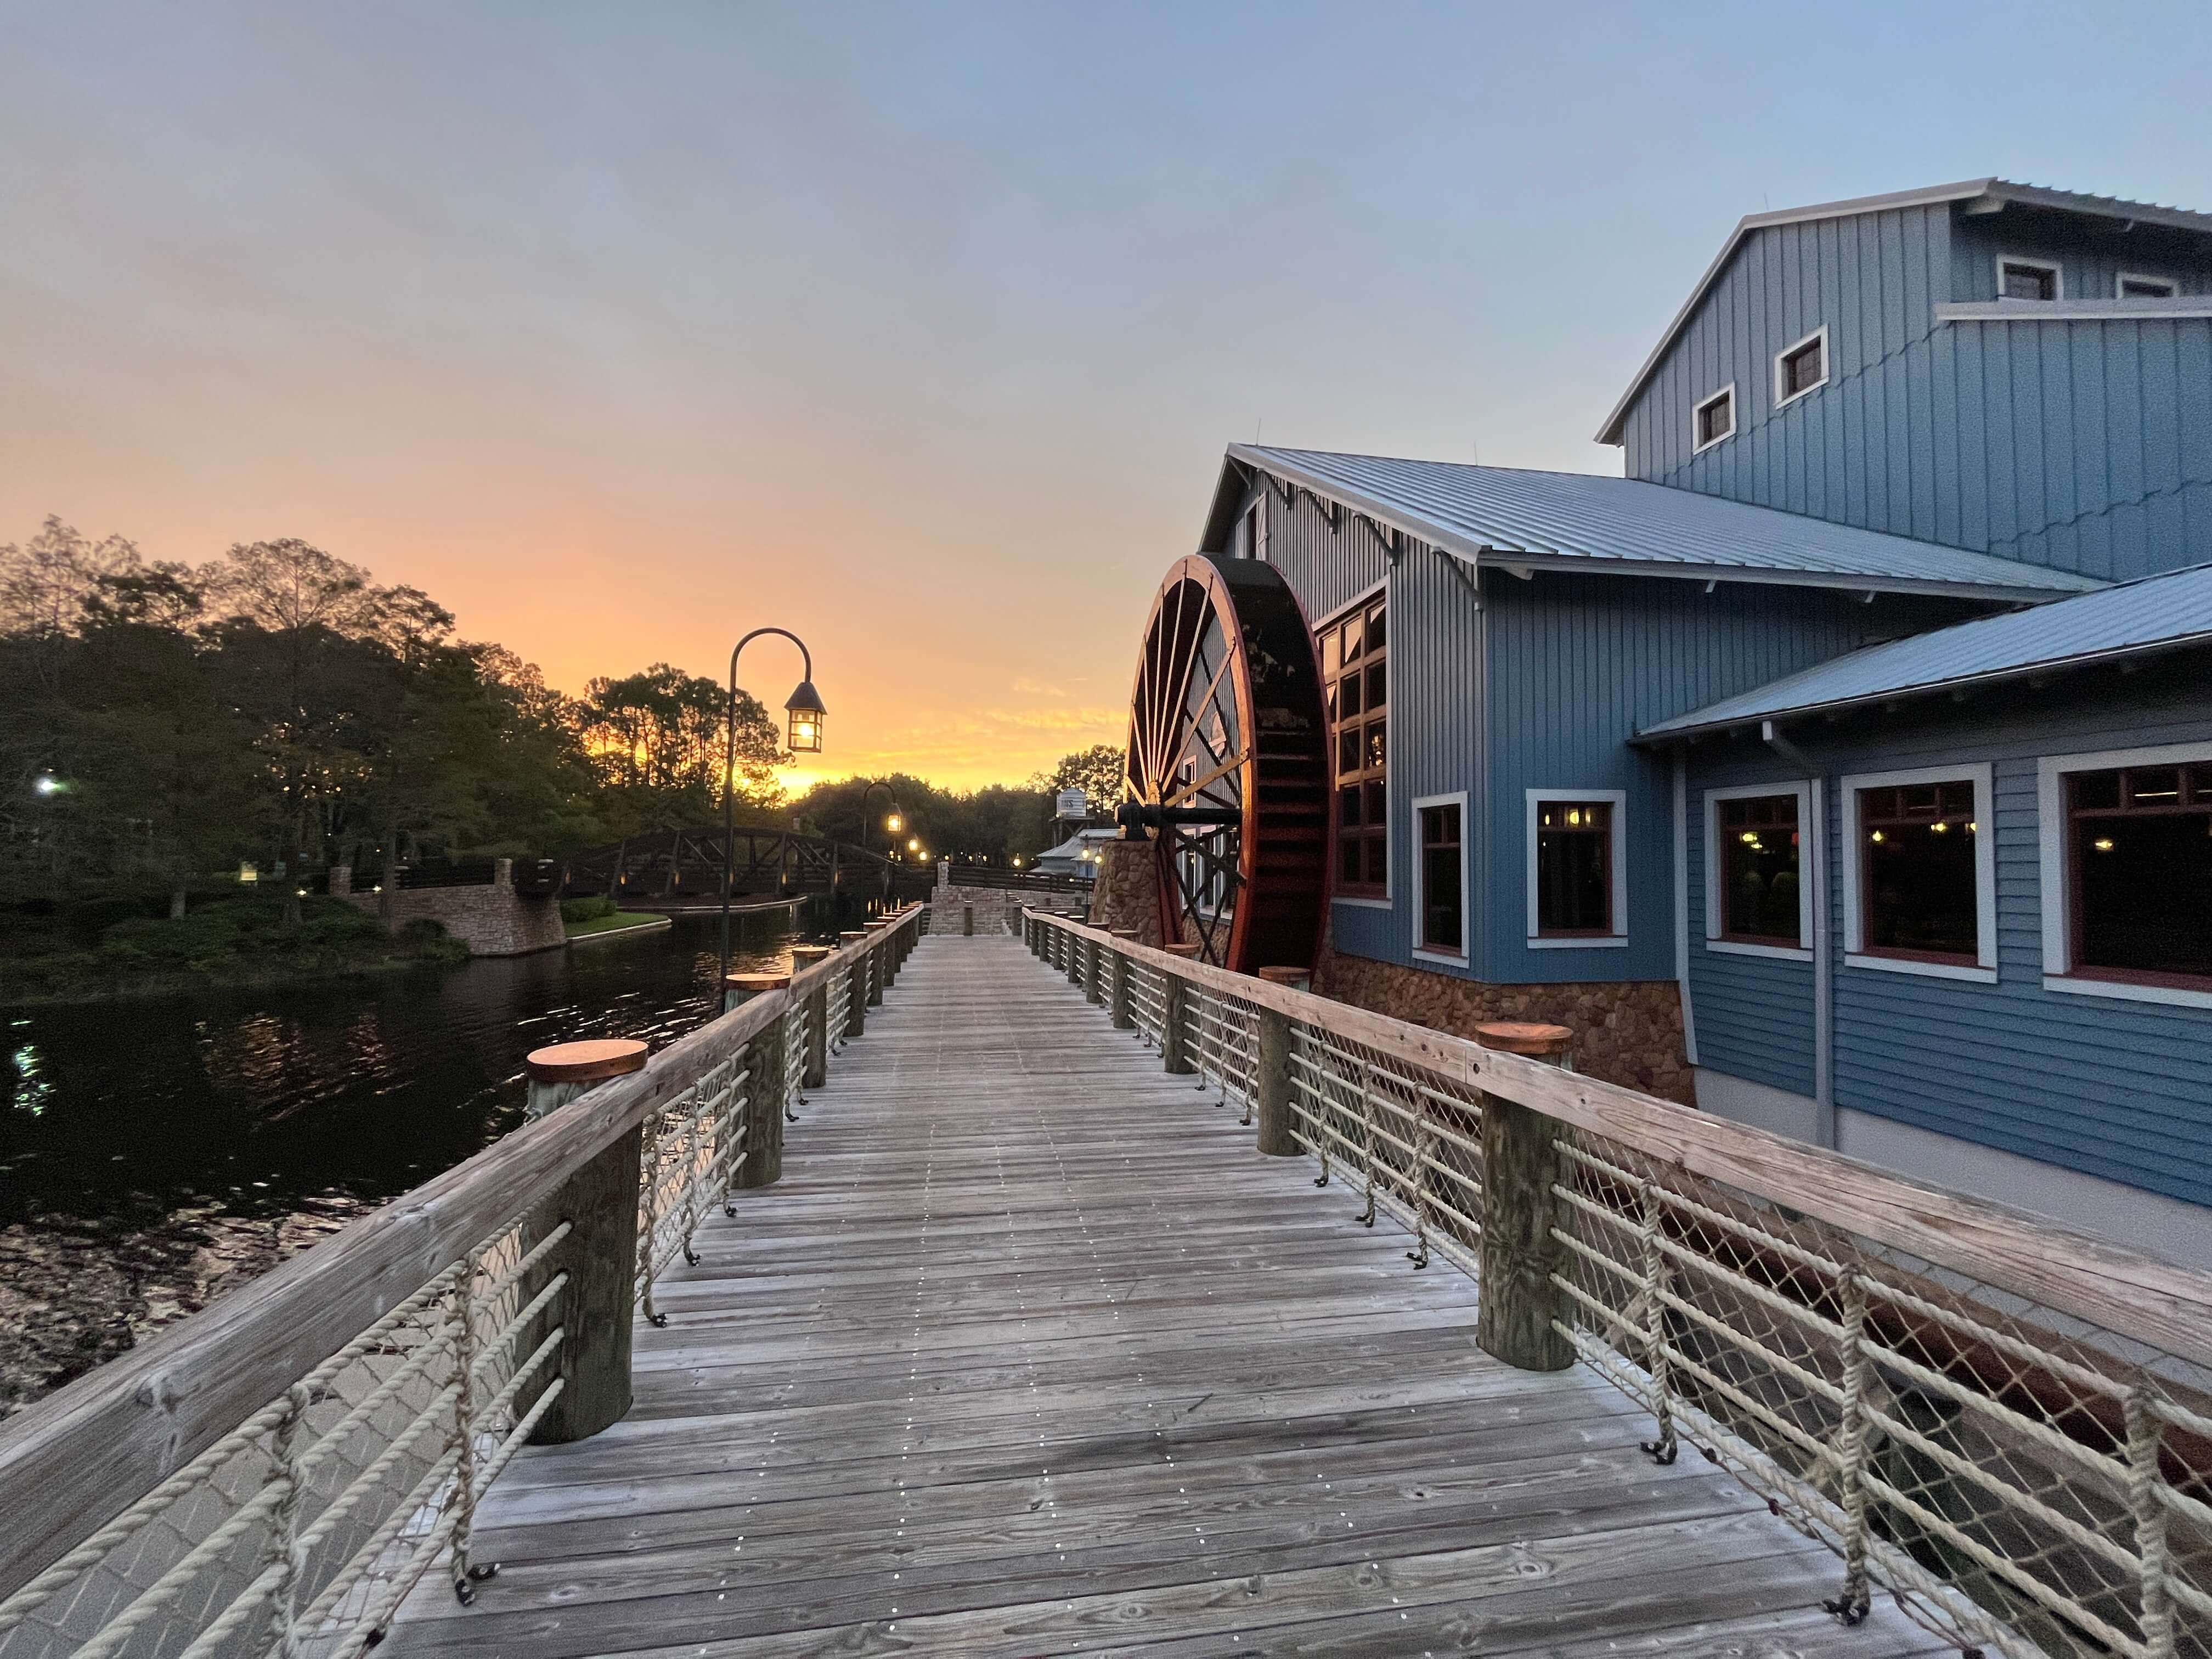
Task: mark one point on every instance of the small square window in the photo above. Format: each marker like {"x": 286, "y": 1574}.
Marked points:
{"x": 1716, "y": 418}
{"x": 2026, "y": 279}
{"x": 1801, "y": 368}
{"x": 2147, "y": 287}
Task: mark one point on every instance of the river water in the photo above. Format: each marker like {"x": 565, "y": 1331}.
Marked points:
{"x": 153, "y": 1152}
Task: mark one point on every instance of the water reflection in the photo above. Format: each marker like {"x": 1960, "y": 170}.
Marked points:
{"x": 258, "y": 1102}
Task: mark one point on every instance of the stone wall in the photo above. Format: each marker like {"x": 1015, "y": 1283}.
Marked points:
{"x": 1126, "y": 894}
{"x": 1629, "y": 1033}
{"x": 947, "y": 902}
{"x": 492, "y": 920}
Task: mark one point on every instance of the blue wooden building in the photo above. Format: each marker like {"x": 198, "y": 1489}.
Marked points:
{"x": 1817, "y": 771}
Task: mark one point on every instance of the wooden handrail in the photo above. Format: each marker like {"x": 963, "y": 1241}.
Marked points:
{"x": 74, "y": 1459}
{"x": 2115, "y": 1289}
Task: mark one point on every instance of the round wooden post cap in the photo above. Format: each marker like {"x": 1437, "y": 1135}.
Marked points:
{"x": 852, "y": 935}
{"x": 755, "y": 983}
{"x": 1296, "y": 978}
{"x": 1124, "y": 933}
{"x": 1517, "y": 1037}
{"x": 1187, "y": 952}
{"x": 585, "y": 1062}
{"x": 805, "y": 954}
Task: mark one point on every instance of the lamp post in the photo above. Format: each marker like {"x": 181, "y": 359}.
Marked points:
{"x": 804, "y": 736}
{"x": 894, "y": 821}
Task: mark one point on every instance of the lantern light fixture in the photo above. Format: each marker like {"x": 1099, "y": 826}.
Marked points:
{"x": 804, "y": 706}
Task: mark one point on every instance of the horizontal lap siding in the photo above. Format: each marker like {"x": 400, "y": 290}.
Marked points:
{"x": 2108, "y": 1087}
{"x": 2082, "y": 446}
{"x": 1754, "y": 1014}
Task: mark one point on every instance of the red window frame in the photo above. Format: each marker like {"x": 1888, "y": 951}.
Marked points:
{"x": 2191, "y": 797}
{"x": 1746, "y": 809}
{"x": 1355, "y": 666}
{"x": 1948, "y": 803}
{"x": 1601, "y": 830}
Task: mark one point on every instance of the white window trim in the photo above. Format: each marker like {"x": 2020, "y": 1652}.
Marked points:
{"x": 1808, "y": 848}
{"x": 1616, "y": 939}
{"x": 2057, "y": 273}
{"x": 2050, "y": 773}
{"x": 1389, "y": 900}
{"x": 1699, "y": 408}
{"x": 1783, "y": 399}
{"x": 2121, "y": 279}
{"x": 1430, "y": 953}
{"x": 1985, "y": 972}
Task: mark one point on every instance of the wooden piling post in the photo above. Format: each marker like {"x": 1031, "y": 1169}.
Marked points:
{"x": 856, "y": 988}
{"x": 816, "y": 1072}
{"x": 600, "y": 1255}
{"x": 1175, "y": 1027}
{"x": 968, "y": 920}
{"x": 1120, "y": 1011}
{"x": 1274, "y": 1085}
{"x": 766, "y": 1073}
{"x": 1520, "y": 1165}
{"x": 739, "y": 990}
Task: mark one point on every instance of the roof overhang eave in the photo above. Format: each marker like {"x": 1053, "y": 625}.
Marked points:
{"x": 1666, "y": 733}
{"x": 1499, "y": 546}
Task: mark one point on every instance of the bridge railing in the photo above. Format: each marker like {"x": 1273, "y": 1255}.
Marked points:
{"x": 274, "y": 1474}
{"x": 2005, "y": 1423}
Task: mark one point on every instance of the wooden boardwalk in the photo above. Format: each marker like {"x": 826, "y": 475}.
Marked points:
{"x": 1030, "y": 1352}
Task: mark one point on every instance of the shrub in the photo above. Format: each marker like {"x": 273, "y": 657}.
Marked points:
{"x": 586, "y": 910}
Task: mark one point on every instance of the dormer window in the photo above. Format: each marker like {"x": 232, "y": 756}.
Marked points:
{"x": 1713, "y": 420}
{"x": 2029, "y": 279}
{"x": 2145, "y": 288}
{"x": 1800, "y": 368}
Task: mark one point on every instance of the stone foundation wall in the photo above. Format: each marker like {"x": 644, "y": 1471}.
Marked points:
{"x": 1126, "y": 894}
{"x": 1629, "y": 1033}
{"x": 494, "y": 920}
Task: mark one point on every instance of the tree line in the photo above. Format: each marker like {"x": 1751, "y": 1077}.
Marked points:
{"x": 161, "y": 723}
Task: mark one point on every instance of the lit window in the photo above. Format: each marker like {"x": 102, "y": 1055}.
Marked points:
{"x": 2027, "y": 279}
{"x": 1917, "y": 893}
{"x": 1757, "y": 871}
{"x": 2139, "y": 874}
{"x": 2147, "y": 287}
{"x": 1355, "y": 670}
{"x": 1442, "y": 914}
{"x": 1574, "y": 869}
{"x": 1715, "y": 418}
{"x": 1801, "y": 368}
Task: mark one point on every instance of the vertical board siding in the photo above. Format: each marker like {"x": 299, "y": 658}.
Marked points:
{"x": 2082, "y": 445}
{"x": 2104, "y": 1086}
{"x": 1578, "y": 666}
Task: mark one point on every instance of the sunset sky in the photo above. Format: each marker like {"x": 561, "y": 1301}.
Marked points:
{"x": 918, "y": 329}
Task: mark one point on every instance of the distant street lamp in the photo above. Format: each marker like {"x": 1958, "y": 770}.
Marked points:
{"x": 804, "y": 707}
{"x": 48, "y": 784}
{"x": 894, "y": 823}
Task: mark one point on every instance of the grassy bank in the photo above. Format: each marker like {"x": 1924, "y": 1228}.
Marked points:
{"x": 231, "y": 941}
{"x": 611, "y": 920}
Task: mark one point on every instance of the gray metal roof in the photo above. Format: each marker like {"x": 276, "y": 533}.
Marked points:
{"x": 1986, "y": 192}
{"x": 1576, "y": 521}
{"x": 2157, "y": 613}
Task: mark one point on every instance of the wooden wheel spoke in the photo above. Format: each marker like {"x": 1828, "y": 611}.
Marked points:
{"x": 1222, "y": 770}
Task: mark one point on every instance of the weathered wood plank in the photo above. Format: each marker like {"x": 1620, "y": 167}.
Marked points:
{"x": 1030, "y": 1351}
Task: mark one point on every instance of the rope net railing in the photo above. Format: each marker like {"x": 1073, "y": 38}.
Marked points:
{"x": 2020, "y": 1486}
{"x": 300, "y": 1529}
{"x": 2023, "y": 1481}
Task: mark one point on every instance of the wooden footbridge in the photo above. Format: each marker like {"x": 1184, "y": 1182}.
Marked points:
{"x": 1015, "y": 1340}
{"x": 678, "y": 870}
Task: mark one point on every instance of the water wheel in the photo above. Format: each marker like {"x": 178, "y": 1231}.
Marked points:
{"x": 1228, "y": 766}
